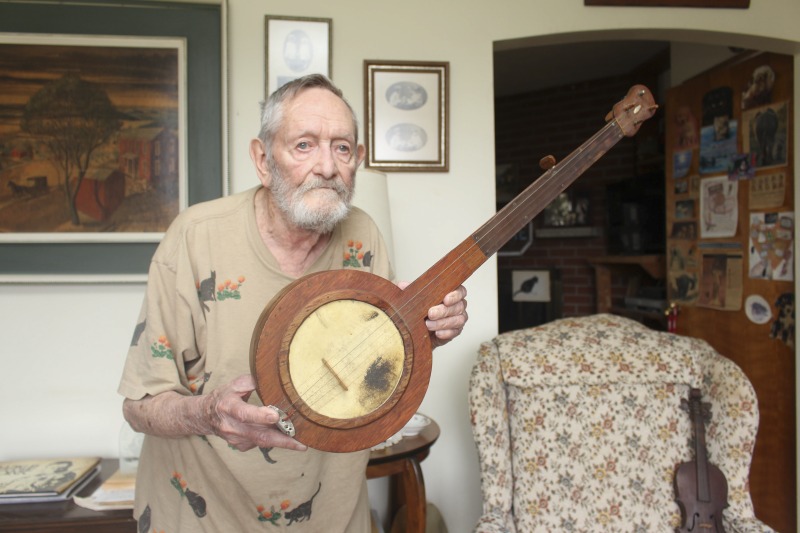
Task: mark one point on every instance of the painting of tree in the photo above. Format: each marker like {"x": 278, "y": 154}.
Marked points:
{"x": 91, "y": 141}
{"x": 73, "y": 118}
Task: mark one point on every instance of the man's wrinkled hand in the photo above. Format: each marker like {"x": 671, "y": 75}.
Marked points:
{"x": 446, "y": 320}
{"x": 241, "y": 424}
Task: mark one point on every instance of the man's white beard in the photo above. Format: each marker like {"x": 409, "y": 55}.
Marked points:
{"x": 293, "y": 205}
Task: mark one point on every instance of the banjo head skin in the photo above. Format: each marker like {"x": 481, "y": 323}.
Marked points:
{"x": 346, "y": 367}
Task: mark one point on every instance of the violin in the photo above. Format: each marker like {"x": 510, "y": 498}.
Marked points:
{"x": 701, "y": 487}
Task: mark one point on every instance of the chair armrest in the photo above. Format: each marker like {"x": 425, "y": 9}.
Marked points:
{"x": 489, "y": 417}
{"x": 494, "y": 523}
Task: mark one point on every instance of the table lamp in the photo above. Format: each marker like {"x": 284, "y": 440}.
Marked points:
{"x": 372, "y": 195}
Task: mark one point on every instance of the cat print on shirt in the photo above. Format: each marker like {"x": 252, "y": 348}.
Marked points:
{"x": 208, "y": 290}
{"x": 205, "y": 290}
{"x": 196, "y": 502}
{"x": 300, "y": 513}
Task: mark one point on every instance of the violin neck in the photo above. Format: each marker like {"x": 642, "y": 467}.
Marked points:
{"x": 700, "y": 453}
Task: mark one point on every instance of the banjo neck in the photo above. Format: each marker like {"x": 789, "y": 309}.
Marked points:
{"x": 463, "y": 260}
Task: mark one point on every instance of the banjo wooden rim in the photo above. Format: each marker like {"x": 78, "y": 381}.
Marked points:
{"x": 269, "y": 361}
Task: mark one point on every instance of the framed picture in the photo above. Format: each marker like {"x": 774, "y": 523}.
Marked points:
{"x": 406, "y": 115}
{"x": 155, "y": 146}
{"x": 519, "y": 243}
{"x": 123, "y": 178}
{"x": 295, "y": 47}
{"x": 566, "y": 210}
{"x": 530, "y": 285}
{"x": 741, "y": 4}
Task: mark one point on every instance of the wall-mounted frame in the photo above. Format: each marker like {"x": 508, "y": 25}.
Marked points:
{"x": 295, "y": 47}
{"x": 201, "y": 28}
{"x": 406, "y": 115}
{"x": 519, "y": 243}
{"x": 740, "y": 4}
{"x": 130, "y": 179}
{"x": 530, "y": 285}
{"x": 568, "y": 209}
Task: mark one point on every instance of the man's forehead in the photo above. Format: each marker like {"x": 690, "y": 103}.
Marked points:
{"x": 319, "y": 108}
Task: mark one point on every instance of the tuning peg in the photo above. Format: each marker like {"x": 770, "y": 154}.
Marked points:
{"x": 652, "y": 110}
{"x": 547, "y": 162}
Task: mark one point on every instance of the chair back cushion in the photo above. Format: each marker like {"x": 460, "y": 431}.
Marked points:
{"x": 579, "y": 424}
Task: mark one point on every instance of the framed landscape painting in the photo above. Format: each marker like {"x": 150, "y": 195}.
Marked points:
{"x": 94, "y": 137}
{"x": 101, "y": 141}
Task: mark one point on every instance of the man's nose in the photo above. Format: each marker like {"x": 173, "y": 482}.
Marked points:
{"x": 325, "y": 166}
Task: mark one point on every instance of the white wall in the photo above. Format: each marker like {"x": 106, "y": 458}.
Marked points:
{"x": 63, "y": 346}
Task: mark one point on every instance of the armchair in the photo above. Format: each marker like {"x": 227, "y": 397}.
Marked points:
{"x": 578, "y": 427}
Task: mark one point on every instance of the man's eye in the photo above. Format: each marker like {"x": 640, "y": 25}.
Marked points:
{"x": 343, "y": 148}
{"x": 303, "y": 145}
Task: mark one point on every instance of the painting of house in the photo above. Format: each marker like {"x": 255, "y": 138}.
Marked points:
{"x": 101, "y": 193}
{"x": 148, "y": 156}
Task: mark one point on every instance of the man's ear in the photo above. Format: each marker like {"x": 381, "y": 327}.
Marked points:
{"x": 361, "y": 153}
{"x": 259, "y": 157}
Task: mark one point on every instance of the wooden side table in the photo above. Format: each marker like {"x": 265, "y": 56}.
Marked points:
{"x": 407, "y": 486}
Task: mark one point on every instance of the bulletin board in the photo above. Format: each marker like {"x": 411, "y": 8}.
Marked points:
{"x": 730, "y": 244}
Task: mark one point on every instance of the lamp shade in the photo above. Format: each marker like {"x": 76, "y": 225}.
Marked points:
{"x": 372, "y": 195}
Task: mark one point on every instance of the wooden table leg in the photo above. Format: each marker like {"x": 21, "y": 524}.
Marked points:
{"x": 410, "y": 487}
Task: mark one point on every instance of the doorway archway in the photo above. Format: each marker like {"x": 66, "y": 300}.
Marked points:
{"x": 683, "y": 40}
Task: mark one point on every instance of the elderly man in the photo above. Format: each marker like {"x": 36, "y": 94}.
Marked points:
{"x": 213, "y": 459}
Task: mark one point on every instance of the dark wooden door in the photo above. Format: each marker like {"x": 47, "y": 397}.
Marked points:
{"x": 730, "y": 245}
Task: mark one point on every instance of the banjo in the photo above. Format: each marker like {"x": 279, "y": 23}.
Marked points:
{"x": 344, "y": 356}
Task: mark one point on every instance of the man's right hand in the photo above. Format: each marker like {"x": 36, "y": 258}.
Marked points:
{"x": 241, "y": 424}
{"x": 223, "y": 412}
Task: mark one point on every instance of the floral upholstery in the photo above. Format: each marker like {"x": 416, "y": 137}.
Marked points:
{"x": 579, "y": 427}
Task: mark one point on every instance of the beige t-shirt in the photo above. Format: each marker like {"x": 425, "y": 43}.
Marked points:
{"x": 209, "y": 281}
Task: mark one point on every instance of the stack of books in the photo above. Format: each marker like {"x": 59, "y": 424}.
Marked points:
{"x": 116, "y": 492}
{"x": 45, "y": 480}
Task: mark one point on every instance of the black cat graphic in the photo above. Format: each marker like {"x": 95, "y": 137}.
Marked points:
{"x": 265, "y": 453}
{"x": 196, "y": 502}
{"x": 206, "y": 291}
{"x": 137, "y": 332}
{"x": 144, "y": 520}
{"x": 303, "y": 511}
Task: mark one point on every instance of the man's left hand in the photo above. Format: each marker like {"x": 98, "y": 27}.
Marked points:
{"x": 446, "y": 320}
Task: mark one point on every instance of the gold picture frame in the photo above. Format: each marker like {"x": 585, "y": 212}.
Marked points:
{"x": 406, "y": 115}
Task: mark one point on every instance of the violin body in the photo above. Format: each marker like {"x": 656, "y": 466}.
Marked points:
{"x": 700, "y": 487}
{"x": 697, "y": 515}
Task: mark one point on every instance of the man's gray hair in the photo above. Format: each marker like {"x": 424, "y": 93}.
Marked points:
{"x": 272, "y": 109}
